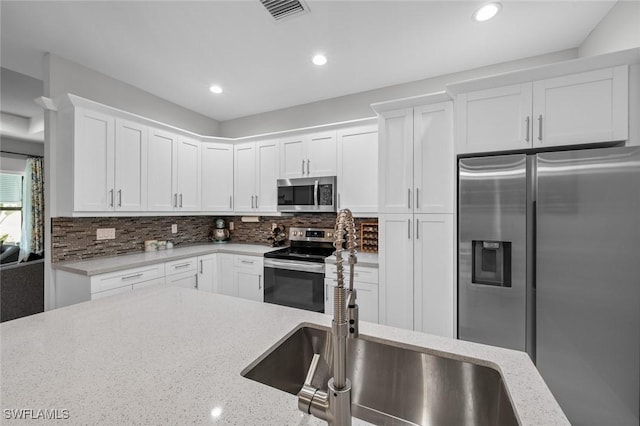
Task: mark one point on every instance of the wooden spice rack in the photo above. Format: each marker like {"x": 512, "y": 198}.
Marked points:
{"x": 369, "y": 237}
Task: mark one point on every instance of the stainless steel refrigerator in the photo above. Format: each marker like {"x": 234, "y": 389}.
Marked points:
{"x": 549, "y": 263}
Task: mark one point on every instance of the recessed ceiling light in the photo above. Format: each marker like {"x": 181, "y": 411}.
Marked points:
{"x": 319, "y": 59}
{"x": 215, "y": 89}
{"x": 487, "y": 12}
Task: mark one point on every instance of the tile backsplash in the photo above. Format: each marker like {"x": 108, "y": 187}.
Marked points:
{"x": 75, "y": 238}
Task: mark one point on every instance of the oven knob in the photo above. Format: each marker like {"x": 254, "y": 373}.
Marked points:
{"x": 329, "y": 234}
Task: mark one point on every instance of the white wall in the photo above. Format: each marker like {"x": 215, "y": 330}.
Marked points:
{"x": 64, "y": 76}
{"x": 618, "y": 30}
{"x": 21, "y": 146}
{"x": 356, "y": 106}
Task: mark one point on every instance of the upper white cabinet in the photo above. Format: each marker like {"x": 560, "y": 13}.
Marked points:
{"x": 416, "y": 160}
{"x": 173, "y": 172}
{"x": 255, "y": 176}
{"x": 358, "y": 169}
{"x": 573, "y": 109}
{"x": 109, "y": 163}
{"x": 217, "y": 177}
{"x": 308, "y": 155}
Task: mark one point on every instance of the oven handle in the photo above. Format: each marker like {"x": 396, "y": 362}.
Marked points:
{"x": 312, "y": 267}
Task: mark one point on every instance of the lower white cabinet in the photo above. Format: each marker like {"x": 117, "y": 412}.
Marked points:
{"x": 241, "y": 276}
{"x": 207, "y": 273}
{"x": 226, "y": 275}
{"x": 182, "y": 272}
{"x": 365, "y": 282}
{"x": 417, "y": 272}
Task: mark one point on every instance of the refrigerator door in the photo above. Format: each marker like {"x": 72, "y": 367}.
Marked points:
{"x": 492, "y": 238}
{"x": 588, "y": 282}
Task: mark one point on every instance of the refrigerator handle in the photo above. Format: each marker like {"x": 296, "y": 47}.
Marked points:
{"x": 526, "y": 134}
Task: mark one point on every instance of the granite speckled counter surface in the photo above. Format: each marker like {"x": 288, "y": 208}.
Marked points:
{"x": 103, "y": 265}
{"x": 169, "y": 355}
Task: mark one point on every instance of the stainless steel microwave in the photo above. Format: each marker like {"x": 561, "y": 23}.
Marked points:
{"x": 307, "y": 194}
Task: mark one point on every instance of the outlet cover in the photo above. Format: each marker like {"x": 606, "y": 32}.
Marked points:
{"x": 174, "y": 228}
{"x": 106, "y": 234}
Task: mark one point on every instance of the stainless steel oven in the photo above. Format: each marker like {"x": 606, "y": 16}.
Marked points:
{"x": 307, "y": 194}
{"x": 294, "y": 276}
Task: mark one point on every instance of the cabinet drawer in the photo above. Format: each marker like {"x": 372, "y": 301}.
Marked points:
{"x": 159, "y": 280}
{"x": 113, "y": 291}
{"x": 253, "y": 263}
{"x": 188, "y": 279}
{"x": 360, "y": 273}
{"x": 181, "y": 266}
{"x": 113, "y": 280}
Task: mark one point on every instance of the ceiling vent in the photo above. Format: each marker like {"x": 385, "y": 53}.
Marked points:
{"x": 281, "y": 9}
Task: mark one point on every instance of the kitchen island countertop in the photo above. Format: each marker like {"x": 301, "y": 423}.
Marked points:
{"x": 170, "y": 355}
{"x": 103, "y": 265}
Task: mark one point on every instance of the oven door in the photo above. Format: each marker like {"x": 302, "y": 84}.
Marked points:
{"x": 307, "y": 194}
{"x": 295, "y": 284}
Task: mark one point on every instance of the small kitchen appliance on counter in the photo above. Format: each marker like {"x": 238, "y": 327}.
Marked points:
{"x": 220, "y": 234}
{"x": 278, "y": 236}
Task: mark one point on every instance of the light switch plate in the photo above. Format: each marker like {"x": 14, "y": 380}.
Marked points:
{"x": 106, "y": 234}
{"x": 174, "y": 228}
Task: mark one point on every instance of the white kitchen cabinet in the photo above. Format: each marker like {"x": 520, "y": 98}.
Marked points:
{"x": 416, "y": 272}
{"x": 365, "y": 283}
{"x": 217, "y": 177}
{"x": 358, "y": 169}
{"x": 109, "y": 163}
{"x": 255, "y": 176}
{"x": 249, "y": 277}
{"x": 308, "y": 155}
{"x": 182, "y": 272}
{"x": 208, "y": 273}
{"x": 173, "y": 172}
{"x": 416, "y": 160}
{"x": 574, "y": 109}
{"x": 226, "y": 274}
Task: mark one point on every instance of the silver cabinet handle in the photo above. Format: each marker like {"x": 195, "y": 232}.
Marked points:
{"x": 200, "y": 265}
{"x": 252, "y": 201}
{"x": 111, "y": 198}
{"x": 540, "y": 127}
{"x": 302, "y": 166}
{"x": 183, "y": 265}
{"x": 417, "y": 229}
{"x": 259, "y": 282}
{"x": 417, "y": 198}
{"x": 308, "y": 161}
{"x": 408, "y": 197}
{"x": 338, "y": 200}
{"x": 256, "y": 201}
{"x": 251, "y": 262}
{"x": 409, "y": 228}
{"x": 326, "y": 292}
{"x": 230, "y": 202}
{"x": 128, "y": 277}
{"x": 181, "y": 200}
{"x": 175, "y": 200}
{"x": 196, "y": 287}
{"x": 119, "y": 197}
{"x": 526, "y": 135}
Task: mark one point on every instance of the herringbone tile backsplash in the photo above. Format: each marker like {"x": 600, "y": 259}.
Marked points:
{"x": 75, "y": 238}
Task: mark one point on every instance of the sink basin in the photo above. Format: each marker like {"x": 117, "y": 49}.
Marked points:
{"x": 391, "y": 385}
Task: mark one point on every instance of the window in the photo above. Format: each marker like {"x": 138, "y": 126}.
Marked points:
{"x": 10, "y": 207}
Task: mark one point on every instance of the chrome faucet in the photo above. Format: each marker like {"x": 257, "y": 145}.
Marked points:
{"x": 335, "y": 406}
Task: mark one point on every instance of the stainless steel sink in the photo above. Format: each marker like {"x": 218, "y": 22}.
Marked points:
{"x": 391, "y": 385}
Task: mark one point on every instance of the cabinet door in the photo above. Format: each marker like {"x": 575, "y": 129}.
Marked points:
{"x": 495, "y": 119}
{"x": 395, "y": 161}
{"x": 321, "y": 154}
{"x": 188, "y": 175}
{"x": 433, "y": 274}
{"x": 186, "y": 280}
{"x": 93, "y": 162}
{"x": 367, "y": 300}
{"x": 160, "y": 165}
{"x": 396, "y": 270}
{"x": 244, "y": 177}
{"x": 250, "y": 285}
{"x": 226, "y": 275}
{"x": 207, "y": 273}
{"x": 329, "y": 285}
{"x": 292, "y": 157}
{"x": 130, "y": 166}
{"x": 581, "y": 108}
{"x": 217, "y": 177}
{"x": 266, "y": 177}
{"x": 358, "y": 169}
{"x": 433, "y": 158}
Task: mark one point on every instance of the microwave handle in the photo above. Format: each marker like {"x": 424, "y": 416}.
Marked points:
{"x": 315, "y": 193}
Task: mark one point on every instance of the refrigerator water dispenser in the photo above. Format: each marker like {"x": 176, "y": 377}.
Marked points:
{"x": 492, "y": 263}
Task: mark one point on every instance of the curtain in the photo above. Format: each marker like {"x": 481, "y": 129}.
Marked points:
{"x": 32, "y": 240}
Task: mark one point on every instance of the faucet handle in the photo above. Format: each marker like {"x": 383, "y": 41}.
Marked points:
{"x": 312, "y": 400}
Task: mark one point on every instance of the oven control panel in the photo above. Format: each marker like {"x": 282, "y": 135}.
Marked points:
{"x": 311, "y": 234}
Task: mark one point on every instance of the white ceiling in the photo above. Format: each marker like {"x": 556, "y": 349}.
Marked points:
{"x": 177, "y": 49}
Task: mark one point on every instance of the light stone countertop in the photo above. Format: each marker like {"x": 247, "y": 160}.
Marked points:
{"x": 370, "y": 260}
{"x": 166, "y": 355}
{"x": 103, "y": 265}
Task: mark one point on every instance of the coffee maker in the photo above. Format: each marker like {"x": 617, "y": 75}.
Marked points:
{"x": 220, "y": 234}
